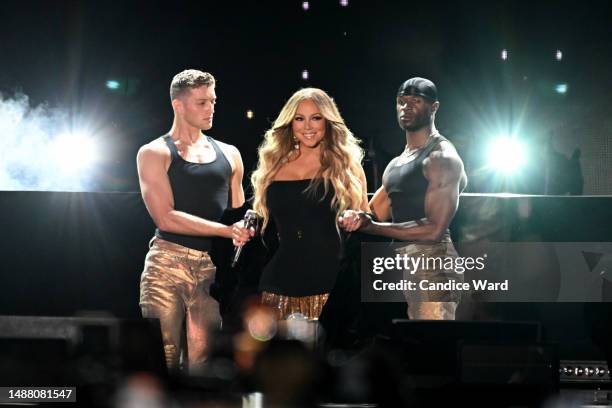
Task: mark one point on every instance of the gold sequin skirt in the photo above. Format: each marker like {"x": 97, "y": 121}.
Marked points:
{"x": 309, "y": 306}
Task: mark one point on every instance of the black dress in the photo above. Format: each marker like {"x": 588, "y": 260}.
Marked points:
{"x": 308, "y": 257}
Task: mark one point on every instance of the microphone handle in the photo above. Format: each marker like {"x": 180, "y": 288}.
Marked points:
{"x": 237, "y": 255}
{"x": 249, "y": 222}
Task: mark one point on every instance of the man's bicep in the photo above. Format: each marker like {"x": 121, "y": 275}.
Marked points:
{"x": 442, "y": 198}
{"x": 379, "y": 204}
{"x": 154, "y": 185}
{"x": 236, "y": 189}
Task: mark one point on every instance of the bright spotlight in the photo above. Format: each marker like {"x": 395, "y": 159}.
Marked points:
{"x": 305, "y": 5}
{"x": 305, "y": 75}
{"x": 504, "y": 54}
{"x": 112, "y": 84}
{"x": 561, "y": 88}
{"x": 559, "y": 55}
{"x": 73, "y": 153}
{"x": 506, "y": 154}
{"x": 250, "y": 114}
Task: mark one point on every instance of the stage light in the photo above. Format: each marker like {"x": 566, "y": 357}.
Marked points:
{"x": 300, "y": 328}
{"x": 504, "y": 54}
{"x": 262, "y": 326}
{"x": 73, "y": 152}
{"x": 344, "y": 3}
{"x": 113, "y": 85}
{"x": 561, "y": 88}
{"x": 305, "y": 5}
{"x": 260, "y": 322}
{"x": 250, "y": 114}
{"x": 558, "y": 55}
{"x": 506, "y": 154}
{"x": 305, "y": 75}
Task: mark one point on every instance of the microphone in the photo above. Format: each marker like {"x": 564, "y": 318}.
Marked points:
{"x": 250, "y": 221}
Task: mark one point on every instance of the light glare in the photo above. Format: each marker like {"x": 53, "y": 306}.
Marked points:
{"x": 112, "y": 84}
{"x": 73, "y": 153}
{"x": 506, "y": 154}
{"x": 561, "y": 88}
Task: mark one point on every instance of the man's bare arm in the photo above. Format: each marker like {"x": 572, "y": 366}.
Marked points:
{"x": 445, "y": 174}
{"x": 236, "y": 190}
{"x": 157, "y": 195}
{"x": 379, "y": 204}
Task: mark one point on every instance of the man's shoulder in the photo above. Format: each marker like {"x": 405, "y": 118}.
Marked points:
{"x": 444, "y": 150}
{"x": 155, "y": 148}
{"x": 444, "y": 157}
{"x": 231, "y": 152}
{"x": 229, "y": 148}
{"x": 443, "y": 144}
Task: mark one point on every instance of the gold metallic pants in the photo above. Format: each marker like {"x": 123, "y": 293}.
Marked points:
{"x": 309, "y": 306}
{"x": 174, "y": 287}
{"x": 432, "y": 310}
{"x": 432, "y": 305}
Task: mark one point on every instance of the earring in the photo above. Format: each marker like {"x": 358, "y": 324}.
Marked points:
{"x": 296, "y": 143}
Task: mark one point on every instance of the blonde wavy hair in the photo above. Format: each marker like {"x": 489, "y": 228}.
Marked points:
{"x": 340, "y": 155}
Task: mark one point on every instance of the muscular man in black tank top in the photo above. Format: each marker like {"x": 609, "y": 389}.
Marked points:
{"x": 187, "y": 180}
{"x": 420, "y": 195}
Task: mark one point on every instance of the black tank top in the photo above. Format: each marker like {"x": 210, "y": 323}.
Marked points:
{"x": 308, "y": 256}
{"x": 406, "y": 185}
{"x": 200, "y": 189}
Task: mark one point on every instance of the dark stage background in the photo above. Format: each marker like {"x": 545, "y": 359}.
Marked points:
{"x": 61, "y": 54}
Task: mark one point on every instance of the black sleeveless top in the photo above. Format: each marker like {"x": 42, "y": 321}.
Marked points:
{"x": 308, "y": 256}
{"x": 200, "y": 189}
{"x": 406, "y": 185}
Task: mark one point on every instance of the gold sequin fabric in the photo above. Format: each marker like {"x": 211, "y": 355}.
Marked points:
{"x": 431, "y": 304}
{"x": 309, "y": 306}
{"x": 174, "y": 287}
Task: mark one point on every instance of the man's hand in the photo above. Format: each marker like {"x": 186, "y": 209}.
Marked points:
{"x": 352, "y": 220}
{"x": 240, "y": 234}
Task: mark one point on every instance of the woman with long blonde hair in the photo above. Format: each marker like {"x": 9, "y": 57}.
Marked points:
{"x": 309, "y": 172}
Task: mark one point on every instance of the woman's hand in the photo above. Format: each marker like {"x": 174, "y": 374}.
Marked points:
{"x": 352, "y": 220}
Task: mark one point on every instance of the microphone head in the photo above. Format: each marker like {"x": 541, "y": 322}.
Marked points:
{"x": 250, "y": 219}
{"x": 250, "y": 214}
